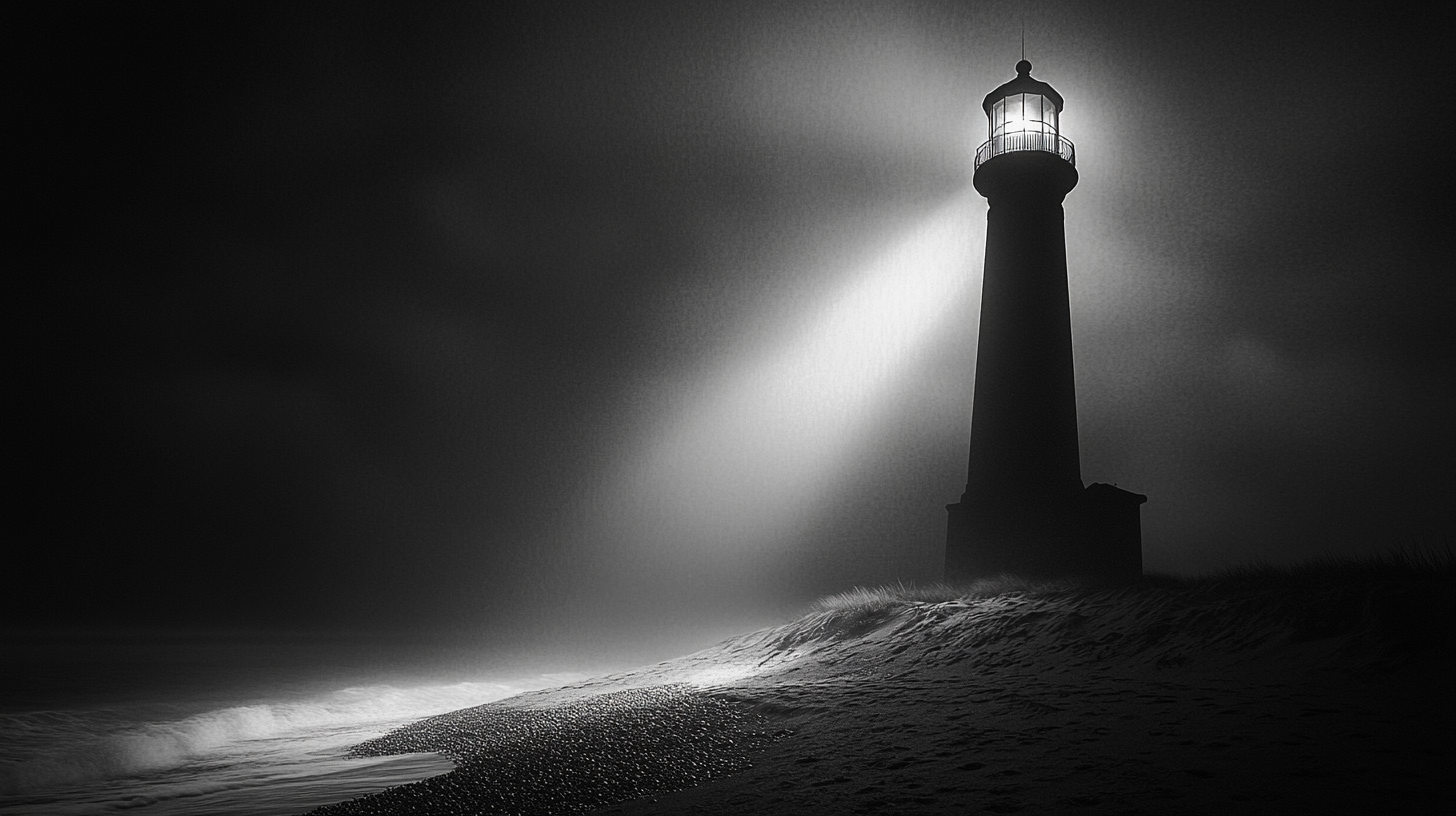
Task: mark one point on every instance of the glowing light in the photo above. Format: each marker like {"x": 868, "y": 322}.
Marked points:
{"x": 749, "y": 464}
{"x": 1023, "y": 113}
{"x": 720, "y": 675}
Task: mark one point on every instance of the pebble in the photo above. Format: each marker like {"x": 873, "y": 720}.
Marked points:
{"x": 572, "y": 758}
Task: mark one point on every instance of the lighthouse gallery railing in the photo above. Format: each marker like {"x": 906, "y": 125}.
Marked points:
{"x": 1027, "y": 140}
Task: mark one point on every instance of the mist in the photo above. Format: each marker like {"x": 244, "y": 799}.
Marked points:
{"x": 643, "y": 323}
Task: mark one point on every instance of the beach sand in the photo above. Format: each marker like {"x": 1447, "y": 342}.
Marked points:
{"x": 1233, "y": 699}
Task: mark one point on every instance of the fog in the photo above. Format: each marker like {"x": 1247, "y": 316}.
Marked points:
{"x": 599, "y": 323}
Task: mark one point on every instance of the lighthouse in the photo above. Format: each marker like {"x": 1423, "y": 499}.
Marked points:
{"x": 1025, "y": 509}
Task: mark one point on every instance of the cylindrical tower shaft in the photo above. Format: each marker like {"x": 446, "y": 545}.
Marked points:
{"x": 1024, "y": 419}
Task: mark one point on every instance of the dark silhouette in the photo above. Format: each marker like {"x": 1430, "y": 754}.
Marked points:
{"x": 1025, "y": 509}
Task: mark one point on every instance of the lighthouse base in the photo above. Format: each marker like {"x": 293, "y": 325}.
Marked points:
{"x": 1096, "y": 532}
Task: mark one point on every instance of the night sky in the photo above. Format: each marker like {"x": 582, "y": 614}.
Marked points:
{"x": 595, "y": 315}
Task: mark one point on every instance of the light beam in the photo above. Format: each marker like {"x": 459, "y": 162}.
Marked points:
{"x": 745, "y": 471}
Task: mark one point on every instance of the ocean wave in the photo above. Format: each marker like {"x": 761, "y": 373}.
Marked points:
{"x": 46, "y": 750}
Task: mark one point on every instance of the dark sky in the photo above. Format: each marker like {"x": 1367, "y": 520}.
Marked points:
{"x": 372, "y": 315}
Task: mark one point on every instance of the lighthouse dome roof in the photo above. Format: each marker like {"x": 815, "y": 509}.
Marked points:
{"x": 1023, "y": 83}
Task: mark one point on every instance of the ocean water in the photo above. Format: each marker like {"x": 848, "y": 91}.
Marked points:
{"x": 232, "y": 723}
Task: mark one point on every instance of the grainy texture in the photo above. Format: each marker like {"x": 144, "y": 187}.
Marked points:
{"x": 1239, "y": 698}
{"x": 568, "y": 759}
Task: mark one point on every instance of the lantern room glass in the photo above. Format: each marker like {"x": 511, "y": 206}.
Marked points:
{"x": 1023, "y": 113}
{"x": 1024, "y": 121}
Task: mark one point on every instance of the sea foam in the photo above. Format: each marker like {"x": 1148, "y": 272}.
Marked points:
{"x": 45, "y": 751}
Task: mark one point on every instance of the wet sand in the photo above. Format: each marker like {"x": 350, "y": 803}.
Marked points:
{"x": 1324, "y": 700}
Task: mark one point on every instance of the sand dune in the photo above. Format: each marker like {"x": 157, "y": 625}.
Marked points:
{"x": 1261, "y": 694}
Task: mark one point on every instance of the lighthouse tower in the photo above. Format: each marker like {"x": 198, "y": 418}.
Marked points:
{"x": 1025, "y": 510}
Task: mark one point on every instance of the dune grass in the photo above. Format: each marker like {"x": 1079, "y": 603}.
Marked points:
{"x": 1388, "y": 607}
{"x": 1395, "y": 563}
{"x": 1408, "y": 565}
{"x": 900, "y": 593}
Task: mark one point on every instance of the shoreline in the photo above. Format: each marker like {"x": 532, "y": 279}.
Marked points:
{"x": 1088, "y": 701}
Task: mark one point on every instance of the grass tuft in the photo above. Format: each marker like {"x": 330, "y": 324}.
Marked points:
{"x": 865, "y": 599}
{"x": 1394, "y": 563}
{"x": 1398, "y": 564}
